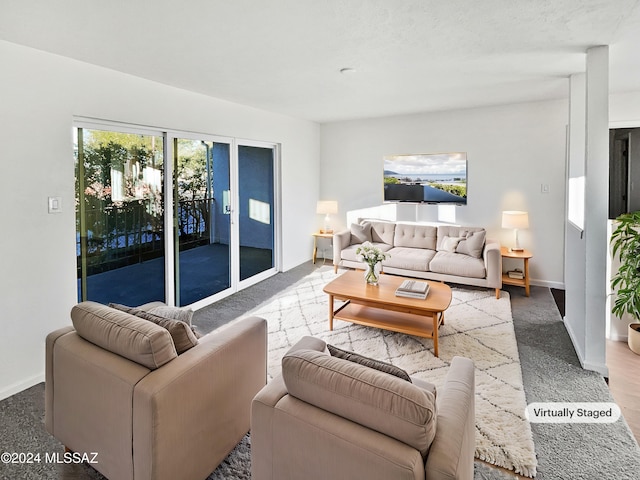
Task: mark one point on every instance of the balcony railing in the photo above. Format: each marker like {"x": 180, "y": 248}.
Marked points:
{"x": 118, "y": 236}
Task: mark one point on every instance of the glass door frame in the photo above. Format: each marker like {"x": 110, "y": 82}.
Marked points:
{"x": 172, "y": 255}
{"x": 277, "y": 217}
{"x": 88, "y": 123}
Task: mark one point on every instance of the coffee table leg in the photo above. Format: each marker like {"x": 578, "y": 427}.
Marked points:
{"x": 330, "y": 312}
{"x": 435, "y": 333}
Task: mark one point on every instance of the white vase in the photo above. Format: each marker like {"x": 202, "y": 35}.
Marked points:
{"x": 372, "y": 274}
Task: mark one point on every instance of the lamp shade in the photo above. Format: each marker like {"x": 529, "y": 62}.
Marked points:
{"x": 327, "y": 207}
{"x": 515, "y": 219}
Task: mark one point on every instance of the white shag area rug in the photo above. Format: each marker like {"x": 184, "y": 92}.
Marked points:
{"x": 477, "y": 326}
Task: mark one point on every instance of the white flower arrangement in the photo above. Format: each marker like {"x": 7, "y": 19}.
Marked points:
{"x": 371, "y": 254}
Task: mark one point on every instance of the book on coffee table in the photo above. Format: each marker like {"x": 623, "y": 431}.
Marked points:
{"x": 413, "y": 289}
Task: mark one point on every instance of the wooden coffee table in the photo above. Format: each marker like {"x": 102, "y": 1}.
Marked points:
{"x": 378, "y": 306}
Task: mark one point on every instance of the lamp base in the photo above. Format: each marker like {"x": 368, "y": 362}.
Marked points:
{"x": 324, "y": 230}
{"x": 516, "y": 249}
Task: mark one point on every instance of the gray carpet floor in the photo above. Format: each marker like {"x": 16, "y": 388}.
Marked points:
{"x": 551, "y": 372}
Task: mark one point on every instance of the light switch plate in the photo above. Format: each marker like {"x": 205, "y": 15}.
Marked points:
{"x": 55, "y": 204}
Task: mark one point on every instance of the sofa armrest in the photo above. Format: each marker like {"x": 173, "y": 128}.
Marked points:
{"x": 190, "y": 413}
{"x": 452, "y": 451}
{"x": 493, "y": 264}
{"x": 341, "y": 240}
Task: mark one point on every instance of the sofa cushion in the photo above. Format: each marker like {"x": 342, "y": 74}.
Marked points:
{"x": 349, "y": 253}
{"x": 369, "y": 362}
{"x": 381, "y": 231}
{"x": 361, "y": 394}
{"x": 181, "y": 334}
{"x": 472, "y": 244}
{"x": 458, "y": 264}
{"x": 409, "y": 258}
{"x": 360, "y": 233}
{"x": 138, "y": 340}
{"x": 415, "y": 236}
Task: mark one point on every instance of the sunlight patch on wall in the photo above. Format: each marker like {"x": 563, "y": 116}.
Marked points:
{"x": 576, "y": 201}
{"x": 447, "y": 213}
{"x": 259, "y": 211}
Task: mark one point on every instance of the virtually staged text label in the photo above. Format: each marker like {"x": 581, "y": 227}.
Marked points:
{"x": 566, "y": 412}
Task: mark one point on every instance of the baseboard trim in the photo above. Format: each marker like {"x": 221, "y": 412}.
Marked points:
{"x": 602, "y": 369}
{"x": 547, "y": 283}
{"x": 20, "y": 386}
{"x": 619, "y": 338}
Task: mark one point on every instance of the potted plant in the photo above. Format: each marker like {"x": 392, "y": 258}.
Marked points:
{"x": 625, "y": 242}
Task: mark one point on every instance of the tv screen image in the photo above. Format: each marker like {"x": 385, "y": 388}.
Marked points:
{"x": 426, "y": 178}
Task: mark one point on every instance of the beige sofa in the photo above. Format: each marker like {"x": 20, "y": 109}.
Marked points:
{"x": 116, "y": 386}
{"x": 434, "y": 252}
{"x": 326, "y": 417}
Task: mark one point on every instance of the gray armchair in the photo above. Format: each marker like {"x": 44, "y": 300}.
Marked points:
{"x": 328, "y": 418}
{"x": 116, "y": 386}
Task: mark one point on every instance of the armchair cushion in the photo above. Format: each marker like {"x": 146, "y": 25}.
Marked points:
{"x": 138, "y": 340}
{"x": 363, "y": 395}
{"x": 369, "y": 362}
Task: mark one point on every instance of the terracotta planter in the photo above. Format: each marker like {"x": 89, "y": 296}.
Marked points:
{"x": 634, "y": 337}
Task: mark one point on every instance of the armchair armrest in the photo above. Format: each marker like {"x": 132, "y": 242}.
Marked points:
{"x": 199, "y": 403}
{"x": 341, "y": 240}
{"x": 452, "y": 450}
{"x": 493, "y": 264}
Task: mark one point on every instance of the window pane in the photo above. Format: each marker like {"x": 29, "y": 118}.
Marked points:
{"x": 119, "y": 217}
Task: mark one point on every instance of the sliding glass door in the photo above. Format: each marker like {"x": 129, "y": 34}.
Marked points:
{"x": 120, "y": 216}
{"x": 256, "y": 209}
{"x": 202, "y": 219}
{"x": 214, "y": 196}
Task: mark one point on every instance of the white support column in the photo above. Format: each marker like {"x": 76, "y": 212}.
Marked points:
{"x": 575, "y": 258}
{"x": 596, "y": 207}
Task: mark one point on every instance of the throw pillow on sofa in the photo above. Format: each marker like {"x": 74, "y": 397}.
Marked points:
{"x": 360, "y": 233}
{"x": 449, "y": 244}
{"x": 472, "y": 244}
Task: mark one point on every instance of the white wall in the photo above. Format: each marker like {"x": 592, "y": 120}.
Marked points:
{"x": 624, "y": 110}
{"x": 512, "y": 150}
{"x": 40, "y": 94}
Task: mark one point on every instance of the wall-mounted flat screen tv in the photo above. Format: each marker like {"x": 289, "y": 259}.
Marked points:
{"x": 426, "y": 178}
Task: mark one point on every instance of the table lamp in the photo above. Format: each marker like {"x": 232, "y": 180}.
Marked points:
{"x": 516, "y": 220}
{"x": 327, "y": 207}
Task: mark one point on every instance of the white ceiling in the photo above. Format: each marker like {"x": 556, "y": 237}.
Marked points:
{"x": 285, "y": 55}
